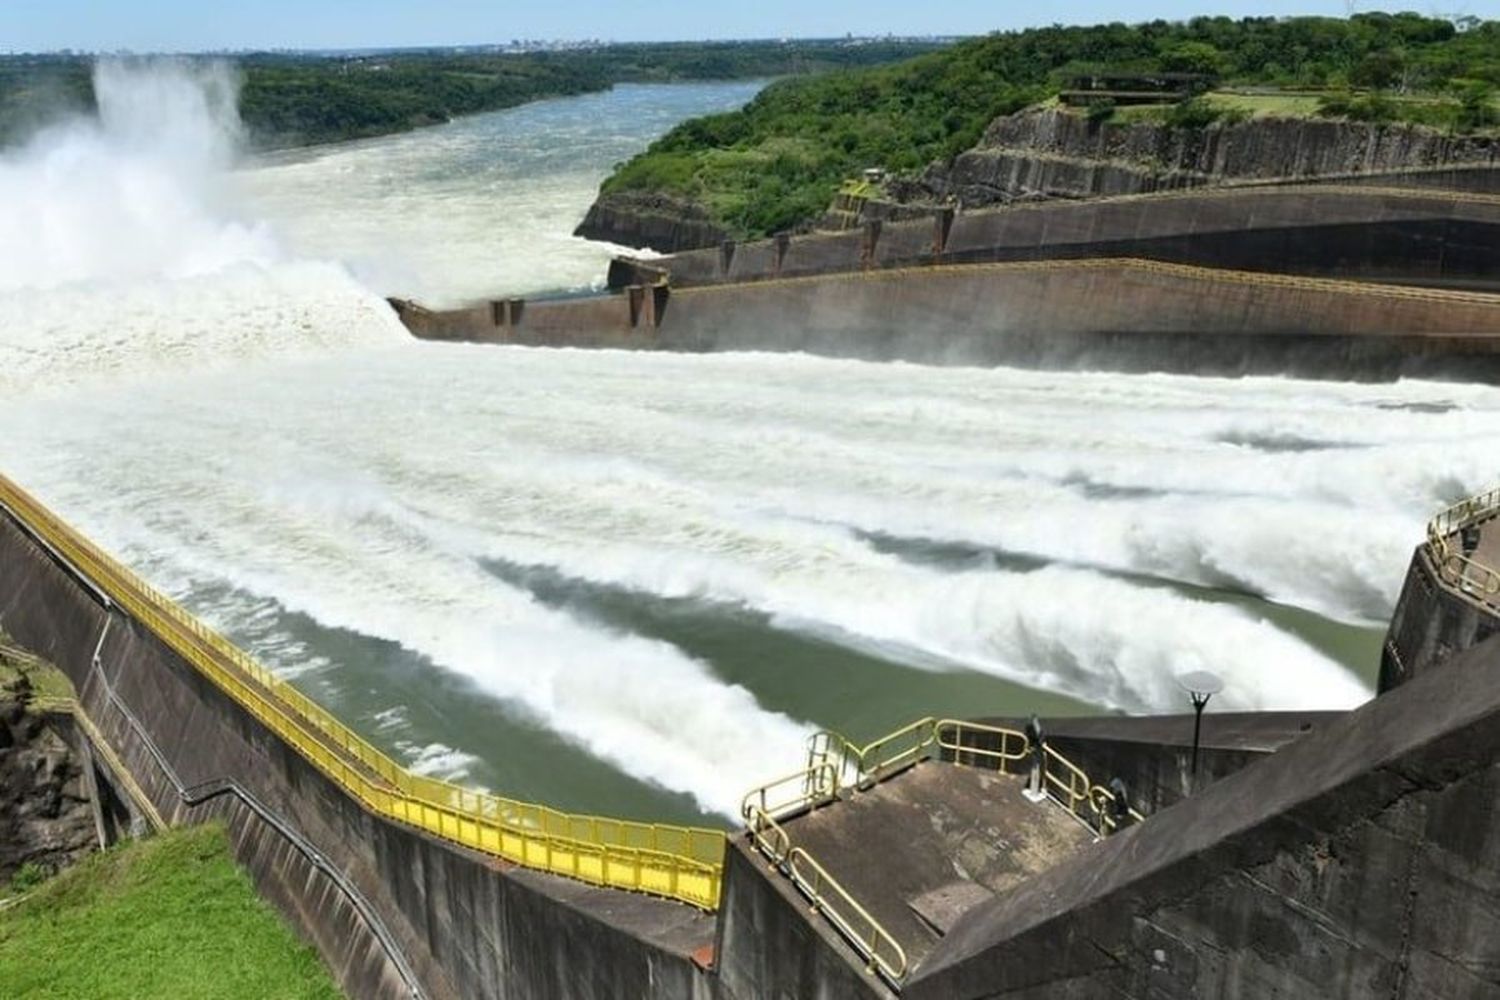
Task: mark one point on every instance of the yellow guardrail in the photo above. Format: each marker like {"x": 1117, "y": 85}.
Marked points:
{"x": 1068, "y": 786}
{"x": 682, "y": 863}
{"x": 1014, "y": 746}
{"x": 860, "y": 188}
{"x": 1455, "y": 567}
{"x": 882, "y": 952}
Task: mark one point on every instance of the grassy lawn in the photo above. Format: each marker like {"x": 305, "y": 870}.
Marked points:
{"x": 1286, "y": 105}
{"x": 170, "y": 917}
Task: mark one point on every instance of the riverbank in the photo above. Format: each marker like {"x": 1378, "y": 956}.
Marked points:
{"x": 291, "y": 100}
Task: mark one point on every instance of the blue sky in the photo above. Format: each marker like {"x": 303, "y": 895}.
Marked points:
{"x": 193, "y": 25}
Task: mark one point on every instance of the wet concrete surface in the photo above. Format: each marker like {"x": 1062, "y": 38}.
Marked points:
{"x": 922, "y": 847}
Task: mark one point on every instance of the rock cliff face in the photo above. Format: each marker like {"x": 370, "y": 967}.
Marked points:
{"x": 44, "y": 812}
{"x": 1055, "y": 154}
{"x": 644, "y": 219}
{"x": 1046, "y": 154}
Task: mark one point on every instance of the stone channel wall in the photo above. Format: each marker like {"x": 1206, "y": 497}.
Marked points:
{"x": 1058, "y": 154}
{"x": 1125, "y": 315}
{"x": 1359, "y": 861}
{"x": 394, "y": 912}
{"x": 1431, "y": 624}
{"x": 1355, "y": 231}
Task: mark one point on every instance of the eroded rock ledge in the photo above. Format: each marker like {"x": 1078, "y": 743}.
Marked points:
{"x": 645, "y": 219}
{"x": 45, "y": 817}
{"x": 1044, "y": 154}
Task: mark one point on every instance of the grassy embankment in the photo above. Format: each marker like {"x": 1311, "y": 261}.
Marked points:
{"x": 169, "y": 917}
{"x": 776, "y": 163}
{"x": 1441, "y": 111}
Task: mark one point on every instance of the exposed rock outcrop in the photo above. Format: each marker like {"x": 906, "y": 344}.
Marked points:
{"x": 1045, "y": 154}
{"x": 645, "y": 219}
{"x": 45, "y": 817}
{"x": 1056, "y": 154}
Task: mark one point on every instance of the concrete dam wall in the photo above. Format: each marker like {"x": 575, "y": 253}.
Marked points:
{"x": 1039, "y": 156}
{"x": 1357, "y": 862}
{"x": 1450, "y": 601}
{"x": 1443, "y": 238}
{"x": 1127, "y": 315}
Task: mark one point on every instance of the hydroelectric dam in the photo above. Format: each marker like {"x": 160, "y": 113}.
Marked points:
{"x": 729, "y": 661}
{"x": 1296, "y": 853}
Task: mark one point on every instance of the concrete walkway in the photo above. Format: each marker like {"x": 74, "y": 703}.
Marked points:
{"x": 923, "y": 847}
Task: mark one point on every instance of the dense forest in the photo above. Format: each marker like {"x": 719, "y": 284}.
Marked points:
{"x": 294, "y": 99}
{"x": 774, "y": 164}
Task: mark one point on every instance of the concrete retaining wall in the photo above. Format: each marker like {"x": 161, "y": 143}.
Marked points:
{"x": 771, "y": 948}
{"x": 1360, "y": 861}
{"x": 1430, "y": 625}
{"x": 389, "y": 908}
{"x": 1131, "y": 316}
{"x": 1153, "y": 755}
{"x": 1351, "y": 231}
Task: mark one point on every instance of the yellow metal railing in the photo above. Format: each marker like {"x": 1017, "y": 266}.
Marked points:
{"x": 882, "y": 952}
{"x": 858, "y": 188}
{"x": 683, "y": 863}
{"x": 1454, "y": 566}
{"x": 1014, "y": 746}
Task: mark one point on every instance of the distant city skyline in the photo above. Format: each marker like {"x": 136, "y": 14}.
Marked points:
{"x": 192, "y": 26}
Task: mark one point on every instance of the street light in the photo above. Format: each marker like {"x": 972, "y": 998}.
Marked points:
{"x": 1200, "y": 686}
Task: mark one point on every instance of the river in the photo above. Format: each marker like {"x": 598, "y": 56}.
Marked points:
{"x": 633, "y": 583}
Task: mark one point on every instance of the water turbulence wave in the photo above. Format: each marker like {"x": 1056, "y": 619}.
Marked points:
{"x": 123, "y": 253}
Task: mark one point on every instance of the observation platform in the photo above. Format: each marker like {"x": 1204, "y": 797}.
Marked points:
{"x": 924, "y": 846}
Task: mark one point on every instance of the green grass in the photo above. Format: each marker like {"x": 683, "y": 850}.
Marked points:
{"x": 1286, "y": 105}
{"x": 170, "y": 917}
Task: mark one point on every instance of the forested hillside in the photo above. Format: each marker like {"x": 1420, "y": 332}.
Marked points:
{"x": 776, "y": 163}
{"x": 294, "y": 99}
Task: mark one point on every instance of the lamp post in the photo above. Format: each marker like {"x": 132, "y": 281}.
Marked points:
{"x": 1200, "y": 686}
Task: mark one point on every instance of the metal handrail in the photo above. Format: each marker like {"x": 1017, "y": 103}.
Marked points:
{"x": 1000, "y": 758}
{"x": 793, "y": 793}
{"x": 888, "y": 754}
{"x": 882, "y": 952}
{"x": 683, "y": 863}
{"x": 1106, "y": 815}
{"x": 772, "y": 839}
{"x": 1454, "y": 567}
{"x": 1070, "y": 793}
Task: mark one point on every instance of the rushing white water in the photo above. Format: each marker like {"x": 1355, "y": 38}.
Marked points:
{"x": 486, "y": 204}
{"x": 251, "y": 429}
